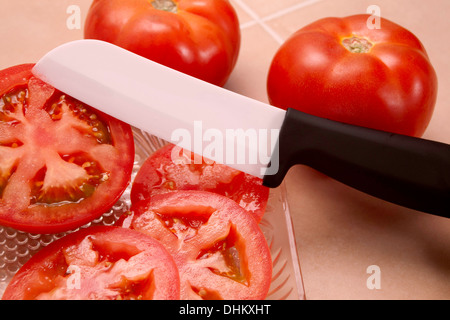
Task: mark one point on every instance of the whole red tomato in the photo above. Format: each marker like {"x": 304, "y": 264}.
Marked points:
{"x": 198, "y": 37}
{"x": 340, "y": 69}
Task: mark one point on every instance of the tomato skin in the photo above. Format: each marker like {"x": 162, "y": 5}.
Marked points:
{"x": 392, "y": 87}
{"x": 197, "y": 228}
{"x": 14, "y": 76}
{"x": 159, "y": 174}
{"x": 47, "y": 274}
{"x": 201, "y": 39}
{"x": 40, "y": 145}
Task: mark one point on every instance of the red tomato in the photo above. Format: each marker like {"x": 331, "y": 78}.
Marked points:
{"x": 62, "y": 164}
{"x": 98, "y": 263}
{"x": 183, "y": 170}
{"x": 198, "y": 37}
{"x": 219, "y": 249}
{"x": 340, "y": 69}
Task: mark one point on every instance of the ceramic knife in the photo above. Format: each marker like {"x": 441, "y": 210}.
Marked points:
{"x": 247, "y": 134}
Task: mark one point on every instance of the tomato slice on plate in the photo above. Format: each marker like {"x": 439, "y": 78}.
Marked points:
{"x": 98, "y": 263}
{"x": 218, "y": 247}
{"x": 172, "y": 168}
{"x": 62, "y": 163}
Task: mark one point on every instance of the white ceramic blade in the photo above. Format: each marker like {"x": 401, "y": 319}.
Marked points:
{"x": 194, "y": 114}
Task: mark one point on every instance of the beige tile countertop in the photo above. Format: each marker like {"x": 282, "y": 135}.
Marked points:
{"x": 340, "y": 232}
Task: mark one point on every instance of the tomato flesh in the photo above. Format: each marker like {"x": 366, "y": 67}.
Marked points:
{"x": 219, "y": 249}
{"x": 62, "y": 163}
{"x": 98, "y": 263}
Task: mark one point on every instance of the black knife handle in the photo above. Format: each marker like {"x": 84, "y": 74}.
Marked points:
{"x": 407, "y": 171}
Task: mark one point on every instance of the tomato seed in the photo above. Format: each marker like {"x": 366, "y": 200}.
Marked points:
{"x": 86, "y": 165}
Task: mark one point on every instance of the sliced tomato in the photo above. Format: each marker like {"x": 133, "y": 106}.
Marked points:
{"x": 62, "y": 163}
{"x": 98, "y": 263}
{"x": 218, "y": 247}
{"x": 172, "y": 168}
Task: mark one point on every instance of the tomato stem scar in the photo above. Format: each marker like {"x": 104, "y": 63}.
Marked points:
{"x": 357, "y": 45}
{"x": 165, "y": 5}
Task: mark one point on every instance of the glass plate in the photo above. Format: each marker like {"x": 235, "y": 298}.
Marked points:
{"x": 16, "y": 247}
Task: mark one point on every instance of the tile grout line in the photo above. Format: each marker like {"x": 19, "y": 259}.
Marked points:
{"x": 261, "y": 21}
{"x": 289, "y": 9}
{"x": 257, "y": 20}
{"x": 248, "y": 24}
